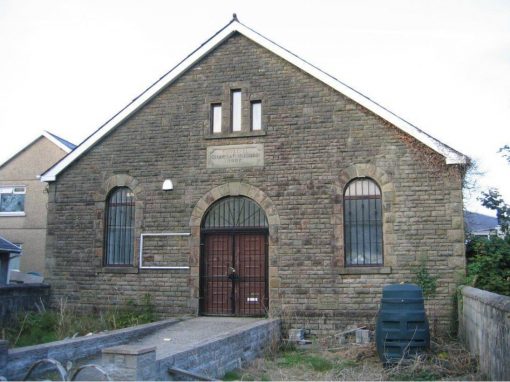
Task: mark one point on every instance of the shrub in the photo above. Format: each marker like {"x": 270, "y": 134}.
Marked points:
{"x": 489, "y": 264}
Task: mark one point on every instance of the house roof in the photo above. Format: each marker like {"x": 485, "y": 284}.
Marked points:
{"x": 451, "y": 156}
{"x": 7, "y": 246}
{"x": 476, "y": 222}
{"x": 59, "y": 142}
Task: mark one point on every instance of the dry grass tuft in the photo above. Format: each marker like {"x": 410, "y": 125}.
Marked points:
{"x": 447, "y": 360}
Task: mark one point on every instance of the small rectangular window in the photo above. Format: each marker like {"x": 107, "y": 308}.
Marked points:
{"x": 12, "y": 200}
{"x": 216, "y": 118}
{"x": 256, "y": 115}
{"x": 236, "y": 110}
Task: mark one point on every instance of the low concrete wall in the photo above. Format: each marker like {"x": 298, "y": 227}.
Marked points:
{"x": 484, "y": 326}
{"x": 211, "y": 358}
{"x": 18, "y": 298}
{"x": 20, "y": 359}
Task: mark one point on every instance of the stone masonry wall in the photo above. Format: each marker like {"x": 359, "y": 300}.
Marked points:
{"x": 315, "y": 140}
{"x": 484, "y": 319}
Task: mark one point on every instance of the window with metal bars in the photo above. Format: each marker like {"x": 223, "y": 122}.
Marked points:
{"x": 119, "y": 227}
{"x": 363, "y": 223}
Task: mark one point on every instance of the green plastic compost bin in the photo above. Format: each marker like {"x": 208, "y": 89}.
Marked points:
{"x": 402, "y": 329}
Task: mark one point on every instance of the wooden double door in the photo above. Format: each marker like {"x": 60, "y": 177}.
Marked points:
{"x": 233, "y": 273}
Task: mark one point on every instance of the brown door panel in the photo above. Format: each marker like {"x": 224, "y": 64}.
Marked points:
{"x": 234, "y": 278}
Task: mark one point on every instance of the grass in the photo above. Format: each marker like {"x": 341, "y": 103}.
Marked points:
{"x": 51, "y": 325}
{"x": 447, "y": 360}
{"x": 313, "y": 361}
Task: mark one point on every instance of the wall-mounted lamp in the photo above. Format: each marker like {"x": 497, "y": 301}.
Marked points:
{"x": 168, "y": 185}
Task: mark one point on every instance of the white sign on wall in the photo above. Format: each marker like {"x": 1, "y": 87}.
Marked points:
{"x": 235, "y": 156}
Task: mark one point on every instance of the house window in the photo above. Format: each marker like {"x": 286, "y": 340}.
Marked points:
{"x": 363, "y": 223}
{"x": 216, "y": 118}
{"x": 12, "y": 200}
{"x": 236, "y": 110}
{"x": 256, "y": 115}
{"x": 120, "y": 219}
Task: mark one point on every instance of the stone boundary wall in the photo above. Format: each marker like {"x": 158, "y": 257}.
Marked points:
{"x": 18, "y": 298}
{"x": 211, "y": 358}
{"x": 19, "y": 360}
{"x": 484, "y": 326}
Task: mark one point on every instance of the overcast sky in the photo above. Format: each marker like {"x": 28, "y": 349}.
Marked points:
{"x": 68, "y": 66}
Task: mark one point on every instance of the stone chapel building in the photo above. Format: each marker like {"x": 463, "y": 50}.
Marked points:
{"x": 248, "y": 182}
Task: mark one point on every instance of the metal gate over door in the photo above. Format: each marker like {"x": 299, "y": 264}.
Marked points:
{"x": 233, "y": 268}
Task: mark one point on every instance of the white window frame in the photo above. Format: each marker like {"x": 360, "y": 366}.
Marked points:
{"x": 256, "y": 120}
{"x": 216, "y": 118}
{"x": 12, "y": 190}
{"x": 236, "y": 99}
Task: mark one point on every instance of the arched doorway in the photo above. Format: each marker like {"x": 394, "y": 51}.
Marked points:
{"x": 234, "y": 258}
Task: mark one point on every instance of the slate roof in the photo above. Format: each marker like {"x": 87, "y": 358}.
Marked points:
{"x": 63, "y": 141}
{"x": 7, "y": 246}
{"x": 476, "y": 222}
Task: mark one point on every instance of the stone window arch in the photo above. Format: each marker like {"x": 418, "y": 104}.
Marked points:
{"x": 387, "y": 197}
{"x": 363, "y": 239}
{"x": 101, "y": 197}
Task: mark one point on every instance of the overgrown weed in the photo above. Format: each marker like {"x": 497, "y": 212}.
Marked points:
{"x": 52, "y": 325}
{"x": 447, "y": 360}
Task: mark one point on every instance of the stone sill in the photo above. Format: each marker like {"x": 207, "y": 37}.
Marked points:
{"x": 118, "y": 270}
{"x": 364, "y": 270}
{"x": 237, "y": 134}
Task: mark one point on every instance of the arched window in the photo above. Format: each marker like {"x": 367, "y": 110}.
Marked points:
{"x": 363, "y": 223}
{"x": 119, "y": 227}
{"x": 235, "y": 212}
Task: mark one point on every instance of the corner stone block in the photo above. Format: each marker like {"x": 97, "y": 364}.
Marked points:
{"x": 455, "y": 235}
{"x": 456, "y": 262}
{"x": 456, "y": 222}
{"x": 459, "y": 250}
{"x": 131, "y": 362}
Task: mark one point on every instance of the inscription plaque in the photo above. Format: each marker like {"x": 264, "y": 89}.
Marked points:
{"x": 235, "y": 156}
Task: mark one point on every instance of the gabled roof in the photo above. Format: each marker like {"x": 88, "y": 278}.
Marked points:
{"x": 7, "y": 246}
{"x": 451, "y": 156}
{"x": 59, "y": 142}
{"x": 478, "y": 222}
